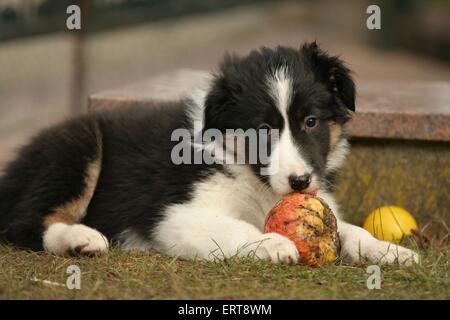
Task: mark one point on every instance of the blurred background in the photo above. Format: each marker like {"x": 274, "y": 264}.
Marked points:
{"x": 47, "y": 71}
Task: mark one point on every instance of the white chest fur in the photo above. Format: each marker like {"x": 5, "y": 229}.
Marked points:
{"x": 241, "y": 195}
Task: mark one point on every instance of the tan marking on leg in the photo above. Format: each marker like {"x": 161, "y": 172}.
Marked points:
{"x": 73, "y": 211}
{"x": 335, "y": 133}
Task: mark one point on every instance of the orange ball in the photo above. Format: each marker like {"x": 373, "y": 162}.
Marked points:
{"x": 309, "y": 222}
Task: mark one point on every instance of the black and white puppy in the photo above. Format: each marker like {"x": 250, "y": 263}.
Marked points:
{"x": 110, "y": 177}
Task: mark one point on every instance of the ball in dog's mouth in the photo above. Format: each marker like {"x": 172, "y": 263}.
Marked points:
{"x": 309, "y": 222}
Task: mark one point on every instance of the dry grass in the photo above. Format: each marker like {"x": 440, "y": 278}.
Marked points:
{"x": 132, "y": 275}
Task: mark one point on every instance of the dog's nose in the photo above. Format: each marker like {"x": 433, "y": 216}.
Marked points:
{"x": 299, "y": 183}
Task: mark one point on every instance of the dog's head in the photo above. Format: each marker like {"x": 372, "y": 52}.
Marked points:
{"x": 304, "y": 94}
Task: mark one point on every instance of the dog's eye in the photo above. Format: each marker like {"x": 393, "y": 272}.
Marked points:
{"x": 311, "y": 122}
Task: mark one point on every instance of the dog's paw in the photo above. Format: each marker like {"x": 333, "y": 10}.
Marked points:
{"x": 276, "y": 249}
{"x": 359, "y": 246}
{"x": 65, "y": 239}
{"x": 387, "y": 253}
{"x": 84, "y": 240}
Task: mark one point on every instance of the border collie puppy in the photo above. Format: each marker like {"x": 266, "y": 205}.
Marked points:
{"x": 109, "y": 177}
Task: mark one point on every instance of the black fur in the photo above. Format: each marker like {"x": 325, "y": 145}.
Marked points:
{"x": 137, "y": 177}
{"x": 47, "y": 173}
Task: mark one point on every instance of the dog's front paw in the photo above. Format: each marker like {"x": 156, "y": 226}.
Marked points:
{"x": 387, "y": 253}
{"x": 380, "y": 252}
{"x": 276, "y": 248}
{"x": 359, "y": 246}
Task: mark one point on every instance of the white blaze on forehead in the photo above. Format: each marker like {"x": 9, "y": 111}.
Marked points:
{"x": 286, "y": 159}
{"x": 280, "y": 87}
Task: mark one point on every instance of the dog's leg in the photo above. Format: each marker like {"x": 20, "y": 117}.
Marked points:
{"x": 209, "y": 233}
{"x": 358, "y": 245}
{"x": 63, "y": 233}
{"x": 45, "y": 193}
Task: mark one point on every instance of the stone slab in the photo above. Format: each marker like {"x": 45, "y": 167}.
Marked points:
{"x": 386, "y": 110}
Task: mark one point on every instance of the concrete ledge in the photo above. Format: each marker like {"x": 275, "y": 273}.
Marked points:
{"x": 403, "y": 110}
{"x": 386, "y": 110}
{"x": 166, "y": 87}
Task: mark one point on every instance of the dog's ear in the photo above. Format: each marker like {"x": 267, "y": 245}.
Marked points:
{"x": 332, "y": 71}
{"x": 342, "y": 83}
{"x": 216, "y": 103}
{"x": 222, "y": 94}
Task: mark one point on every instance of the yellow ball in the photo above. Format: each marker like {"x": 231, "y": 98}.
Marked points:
{"x": 390, "y": 223}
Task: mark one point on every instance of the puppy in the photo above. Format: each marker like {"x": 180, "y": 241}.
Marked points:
{"x": 119, "y": 176}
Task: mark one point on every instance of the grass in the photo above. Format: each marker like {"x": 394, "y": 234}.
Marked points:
{"x": 133, "y": 275}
